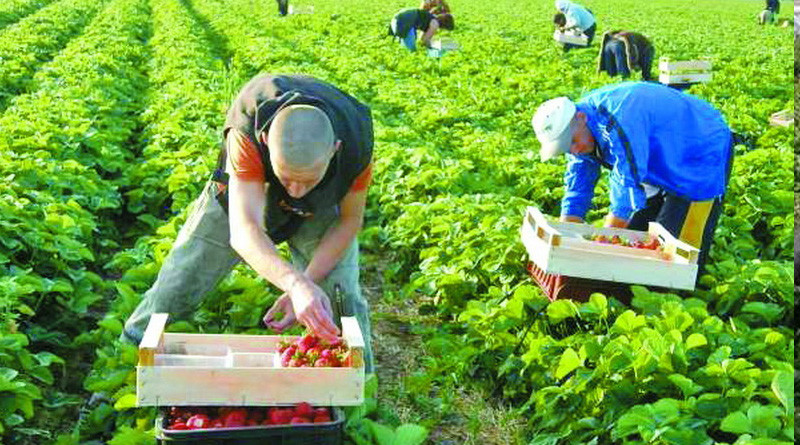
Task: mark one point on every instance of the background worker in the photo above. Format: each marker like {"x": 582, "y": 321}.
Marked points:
{"x": 624, "y": 51}
{"x": 441, "y": 12}
{"x": 295, "y": 167}
{"x": 774, "y": 6}
{"x": 404, "y": 26}
{"x": 283, "y": 7}
{"x": 572, "y": 16}
{"x": 669, "y": 155}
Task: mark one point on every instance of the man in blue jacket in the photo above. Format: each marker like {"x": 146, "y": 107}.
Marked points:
{"x": 669, "y": 156}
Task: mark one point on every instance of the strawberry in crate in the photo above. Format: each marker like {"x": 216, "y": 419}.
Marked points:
{"x": 313, "y": 352}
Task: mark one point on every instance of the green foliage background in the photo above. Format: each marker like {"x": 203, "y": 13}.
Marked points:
{"x": 110, "y": 131}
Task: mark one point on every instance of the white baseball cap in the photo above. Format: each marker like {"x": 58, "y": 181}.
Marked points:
{"x": 551, "y": 123}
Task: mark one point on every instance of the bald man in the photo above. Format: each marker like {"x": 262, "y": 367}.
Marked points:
{"x": 295, "y": 168}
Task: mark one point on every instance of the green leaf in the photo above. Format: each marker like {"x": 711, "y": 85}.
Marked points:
{"x": 568, "y": 362}
{"x": 736, "y": 423}
{"x": 783, "y": 388}
{"x": 382, "y": 434}
{"x": 410, "y": 434}
{"x": 687, "y": 386}
{"x": 695, "y": 341}
{"x": 560, "y": 310}
{"x": 628, "y": 322}
{"x": 125, "y": 402}
{"x": 769, "y": 311}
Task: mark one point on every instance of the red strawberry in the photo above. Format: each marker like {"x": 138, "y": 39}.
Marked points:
{"x": 279, "y": 416}
{"x": 198, "y": 421}
{"x": 235, "y": 418}
{"x": 299, "y": 420}
{"x": 321, "y": 412}
{"x": 303, "y": 409}
{"x": 296, "y": 362}
{"x": 323, "y": 363}
{"x": 322, "y": 419}
{"x": 178, "y": 426}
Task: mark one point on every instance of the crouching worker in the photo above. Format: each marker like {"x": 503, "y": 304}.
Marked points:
{"x": 623, "y": 51}
{"x": 669, "y": 155}
{"x": 295, "y": 167}
{"x": 572, "y": 16}
{"x": 405, "y": 24}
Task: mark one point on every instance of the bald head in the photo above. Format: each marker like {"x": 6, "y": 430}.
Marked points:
{"x": 301, "y": 137}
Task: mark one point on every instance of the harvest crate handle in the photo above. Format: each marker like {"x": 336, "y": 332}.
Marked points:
{"x": 673, "y": 245}
{"x": 153, "y": 339}
{"x": 351, "y": 332}
{"x": 541, "y": 227}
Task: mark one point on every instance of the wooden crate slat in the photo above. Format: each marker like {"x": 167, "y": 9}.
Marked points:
{"x": 188, "y": 386}
{"x": 674, "y": 66}
{"x": 152, "y": 339}
{"x": 669, "y": 78}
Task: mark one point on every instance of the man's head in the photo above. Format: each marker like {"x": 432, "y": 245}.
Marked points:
{"x": 301, "y": 144}
{"x": 560, "y": 128}
{"x": 559, "y": 19}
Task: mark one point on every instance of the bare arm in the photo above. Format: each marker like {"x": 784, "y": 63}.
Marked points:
{"x": 339, "y": 237}
{"x": 246, "y": 205}
{"x": 432, "y": 28}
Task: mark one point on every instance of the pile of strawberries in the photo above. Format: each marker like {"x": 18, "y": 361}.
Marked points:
{"x": 648, "y": 242}
{"x": 195, "y": 418}
{"x": 312, "y": 352}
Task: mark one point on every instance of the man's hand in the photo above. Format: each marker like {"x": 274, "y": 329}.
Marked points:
{"x": 282, "y": 304}
{"x": 313, "y": 308}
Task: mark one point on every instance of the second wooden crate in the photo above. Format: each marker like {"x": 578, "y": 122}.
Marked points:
{"x": 561, "y": 248}
{"x": 672, "y": 72}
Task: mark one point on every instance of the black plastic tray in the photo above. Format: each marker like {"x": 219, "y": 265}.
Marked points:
{"x": 328, "y": 433}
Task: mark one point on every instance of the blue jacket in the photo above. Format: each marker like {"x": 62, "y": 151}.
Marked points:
{"x": 648, "y": 133}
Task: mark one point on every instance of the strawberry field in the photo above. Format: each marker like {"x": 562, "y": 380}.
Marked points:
{"x": 110, "y": 118}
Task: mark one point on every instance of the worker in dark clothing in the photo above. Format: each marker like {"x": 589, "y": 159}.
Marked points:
{"x": 295, "y": 167}
{"x": 622, "y": 52}
{"x": 774, "y": 6}
{"x": 405, "y": 24}
{"x": 283, "y": 7}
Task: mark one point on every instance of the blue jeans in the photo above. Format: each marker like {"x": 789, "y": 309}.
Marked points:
{"x": 410, "y": 40}
{"x": 615, "y": 59}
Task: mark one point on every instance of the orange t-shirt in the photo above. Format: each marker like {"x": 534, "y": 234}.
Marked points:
{"x": 246, "y": 162}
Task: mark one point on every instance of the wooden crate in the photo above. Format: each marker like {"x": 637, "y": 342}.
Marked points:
{"x": 559, "y": 248}
{"x": 580, "y": 39}
{"x": 783, "y": 118}
{"x": 301, "y": 9}
{"x": 683, "y": 72}
{"x": 445, "y": 44}
{"x": 240, "y": 370}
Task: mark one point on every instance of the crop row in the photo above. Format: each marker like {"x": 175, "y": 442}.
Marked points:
{"x": 180, "y": 135}
{"x": 57, "y": 207}
{"x": 36, "y": 39}
{"x": 13, "y": 10}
